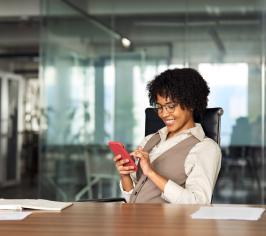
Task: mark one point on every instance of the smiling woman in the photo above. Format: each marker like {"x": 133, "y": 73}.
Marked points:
{"x": 175, "y": 118}
{"x": 182, "y": 92}
{"x": 178, "y": 164}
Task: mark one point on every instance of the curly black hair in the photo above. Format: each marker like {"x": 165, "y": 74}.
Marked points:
{"x": 183, "y": 86}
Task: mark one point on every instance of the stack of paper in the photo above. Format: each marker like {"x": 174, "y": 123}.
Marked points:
{"x": 36, "y": 204}
{"x": 228, "y": 213}
{"x": 12, "y": 215}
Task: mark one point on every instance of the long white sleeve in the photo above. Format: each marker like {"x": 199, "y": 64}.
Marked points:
{"x": 202, "y": 167}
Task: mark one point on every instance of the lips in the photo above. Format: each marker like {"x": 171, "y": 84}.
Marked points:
{"x": 169, "y": 122}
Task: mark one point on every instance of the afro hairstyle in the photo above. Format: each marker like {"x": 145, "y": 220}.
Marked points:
{"x": 185, "y": 87}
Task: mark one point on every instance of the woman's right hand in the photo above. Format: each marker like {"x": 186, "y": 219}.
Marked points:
{"x": 119, "y": 163}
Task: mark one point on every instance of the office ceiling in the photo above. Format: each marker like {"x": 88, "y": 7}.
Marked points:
{"x": 204, "y": 30}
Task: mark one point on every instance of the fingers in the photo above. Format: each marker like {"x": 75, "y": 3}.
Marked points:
{"x": 122, "y": 162}
{"x": 139, "y": 153}
{"x": 116, "y": 158}
{"x": 120, "y": 165}
{"x": 118, "y": 161}
{"x": 124, "y": 170}
{"x": 135, "y": 153}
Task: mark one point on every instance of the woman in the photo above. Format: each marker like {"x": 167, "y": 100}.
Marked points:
{"x": 178, "y": 164}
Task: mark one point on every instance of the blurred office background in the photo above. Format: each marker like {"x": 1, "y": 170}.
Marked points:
{"x": 73, "y": 76}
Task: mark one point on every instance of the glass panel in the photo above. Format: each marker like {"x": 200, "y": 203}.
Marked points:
{"x": 11, "y": 164}
{"x": 94, "y": 89}
{"x": 74, "y": 162}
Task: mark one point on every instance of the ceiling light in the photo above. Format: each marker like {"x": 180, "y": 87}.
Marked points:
{"x": 126, "y": 42}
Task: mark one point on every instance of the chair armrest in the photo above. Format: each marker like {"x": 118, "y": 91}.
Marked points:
{"x": 117, "y": 199}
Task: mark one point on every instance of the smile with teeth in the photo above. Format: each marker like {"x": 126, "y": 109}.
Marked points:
{"x": 169, "y": 121}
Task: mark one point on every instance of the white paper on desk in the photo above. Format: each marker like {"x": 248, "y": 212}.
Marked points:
{"x": 37, "y": 204}
{"x": 12, "y": 215}
{"x": 228, "y": 213}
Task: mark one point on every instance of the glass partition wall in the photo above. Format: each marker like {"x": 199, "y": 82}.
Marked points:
{"x": 93, "y": 87}
{"x": 75, "y": 61}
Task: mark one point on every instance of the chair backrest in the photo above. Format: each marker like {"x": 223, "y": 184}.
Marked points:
{"x": 211, "y": 122}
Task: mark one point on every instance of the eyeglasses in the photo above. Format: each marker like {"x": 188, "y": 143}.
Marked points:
{"x": 170, "y": 107}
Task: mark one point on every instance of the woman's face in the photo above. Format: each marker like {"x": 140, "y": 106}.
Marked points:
{"x": 175, "y": 118}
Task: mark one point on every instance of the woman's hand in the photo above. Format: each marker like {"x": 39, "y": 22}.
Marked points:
{"x": 148, "y": 170}
{"x": 124, "y": 172}
{"x": 120, "y": 166}
{"x": 144, "y": 161}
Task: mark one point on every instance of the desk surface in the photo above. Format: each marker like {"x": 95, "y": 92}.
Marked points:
{"x": 128, "y": 219}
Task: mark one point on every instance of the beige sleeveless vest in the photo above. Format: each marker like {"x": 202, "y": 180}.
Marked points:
{"x": 169, "y": 164}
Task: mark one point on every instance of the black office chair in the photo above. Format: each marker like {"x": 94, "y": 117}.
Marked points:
{"x": 211, "y": 124}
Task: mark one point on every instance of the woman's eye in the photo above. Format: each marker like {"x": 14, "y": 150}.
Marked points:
{"x": 171, "y": 106}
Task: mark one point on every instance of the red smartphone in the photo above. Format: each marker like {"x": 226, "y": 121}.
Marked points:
{"x": 118, "y": 148}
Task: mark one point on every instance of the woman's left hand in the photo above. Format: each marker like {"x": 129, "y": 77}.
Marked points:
{"x": 144, "y": 160}
{"x": 147, "y": 168}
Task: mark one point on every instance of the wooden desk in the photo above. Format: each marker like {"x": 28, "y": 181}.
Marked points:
{"x": 128, "y": 219}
